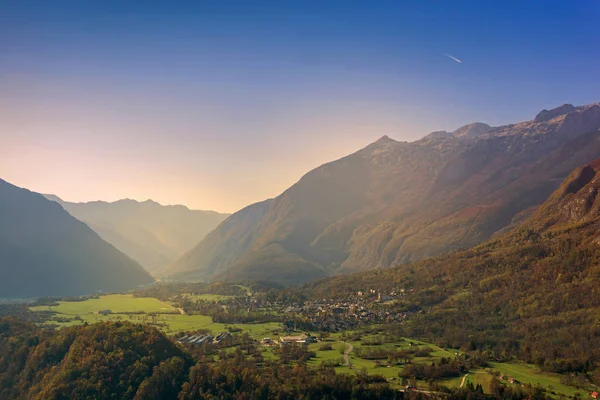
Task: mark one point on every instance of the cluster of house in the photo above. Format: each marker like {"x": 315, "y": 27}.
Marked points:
{"x": 334, "y": 316}
{"x": 287, "y": 340}
{"x": 199, "y": 340}
{"x": 512, "y": 380}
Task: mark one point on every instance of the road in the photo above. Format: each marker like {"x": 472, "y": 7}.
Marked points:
{"x": 464, "y": 379}
{"x": 347, "y": 354}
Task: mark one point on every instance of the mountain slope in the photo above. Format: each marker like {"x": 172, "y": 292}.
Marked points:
{"x": 394, "y": 202}
{"x": 533, "y": 292}
{"x": 150, "y": 233}
{"x": 45, "y": 251}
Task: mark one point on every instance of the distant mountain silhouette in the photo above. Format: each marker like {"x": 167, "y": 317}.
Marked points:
{"x": 44, "y": 251}
{"x": 150, "y": 233}
{"x": 394, "y": 202}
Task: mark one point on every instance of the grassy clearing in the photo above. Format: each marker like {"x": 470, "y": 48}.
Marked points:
{"x": 326, "y": 355}
{"x": 530, "y": 374}
{"x": 475, "y": 377}
{"x": 118, "y": 303}
{"x": 207, "y": 297}
{"x": 121, "y": 305}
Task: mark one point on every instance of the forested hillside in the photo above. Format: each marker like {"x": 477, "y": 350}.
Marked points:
{"x": 533, "y": 293}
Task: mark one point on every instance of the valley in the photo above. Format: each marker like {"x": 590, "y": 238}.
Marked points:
{"x": 370, "y": 348}
{"x": 299, "y": 200}
{"x": 514, "y": 314}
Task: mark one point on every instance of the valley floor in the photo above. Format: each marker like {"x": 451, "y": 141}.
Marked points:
{"x": 332, "y": 349}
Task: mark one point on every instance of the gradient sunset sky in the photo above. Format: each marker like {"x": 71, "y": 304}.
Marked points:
{"x": 220, "y": 104}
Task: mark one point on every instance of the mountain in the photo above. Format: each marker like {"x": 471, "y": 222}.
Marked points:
{"x": 533, "y": 293}
{"x": 44, "y": 251}
{"x": 152, "y": 234}
{"x": 393, "y": 202}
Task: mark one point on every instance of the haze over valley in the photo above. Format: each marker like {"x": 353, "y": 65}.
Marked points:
{"x": 152, "y": 234}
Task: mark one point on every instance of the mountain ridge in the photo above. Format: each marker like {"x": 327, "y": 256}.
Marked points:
{"x": 393, "y": 202}
{"x": 44, "y": 251}
{"x": 149, "y": 232}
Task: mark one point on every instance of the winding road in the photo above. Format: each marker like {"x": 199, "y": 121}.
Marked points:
{"x": 347, "y": 355}
{"x": 464, "y": 379}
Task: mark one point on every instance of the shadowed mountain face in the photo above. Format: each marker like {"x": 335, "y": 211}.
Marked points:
{"x": 150, "y": 233}
{"x": 44, "y": 251}
{"x": 394, "y": 202}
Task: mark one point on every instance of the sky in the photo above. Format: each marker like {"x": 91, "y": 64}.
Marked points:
{"x": 216, "y": 105}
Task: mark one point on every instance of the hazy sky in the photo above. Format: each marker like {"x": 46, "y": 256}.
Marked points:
{"x": 218, "y": 104}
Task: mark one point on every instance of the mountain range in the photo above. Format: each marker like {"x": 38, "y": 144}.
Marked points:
{"x": 44, "y": 251}
{"x": 152, "y": 234}
{"x": 394, "y": 202}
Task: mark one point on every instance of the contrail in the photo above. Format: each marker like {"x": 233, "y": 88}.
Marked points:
{"x": 453, "y": 58}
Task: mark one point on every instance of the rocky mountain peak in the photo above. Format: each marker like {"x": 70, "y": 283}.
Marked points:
{"x": 472, "y": 130}
{"x": 384, "y": 139}
{"x": 581, "y": 119}
{"x": 547, "y": 115}
{"x": 438, "y": 135}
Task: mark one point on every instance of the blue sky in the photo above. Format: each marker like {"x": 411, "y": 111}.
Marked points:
{"x": 219, "y": 104}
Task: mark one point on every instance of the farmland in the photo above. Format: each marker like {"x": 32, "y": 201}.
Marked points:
{"x": 143, "y": 310}
{"x": 168, "y": 317}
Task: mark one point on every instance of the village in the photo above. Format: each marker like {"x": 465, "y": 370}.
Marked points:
{"x": 327, "y": 315}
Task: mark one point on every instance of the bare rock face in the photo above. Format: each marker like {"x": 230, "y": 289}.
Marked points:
{"x": 547, "y": 115}
{"x": 472, "y": 130}
{"x": 577, "y": 198}
{"x": 582, "y": 119}
{"x": 467, "y": 131}
{"x": 438, "y": 135}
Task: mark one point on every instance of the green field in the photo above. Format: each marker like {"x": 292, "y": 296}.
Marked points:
{"x": 118, "y": 303}
{"x": 327, "y": 355}
{"x": 475, "y": 377}
{"x": 530, "y": 374}
{"x": 166, "y": 319}
{"x": 524, "y": 373}
{"x": 207, "y": 297}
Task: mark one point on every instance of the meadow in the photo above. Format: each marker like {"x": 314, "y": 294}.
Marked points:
{"x": 207, "y": 297}
{"x": 126, "y": 307}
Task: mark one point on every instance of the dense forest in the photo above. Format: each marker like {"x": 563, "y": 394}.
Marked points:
{"x": 533, "y": 293}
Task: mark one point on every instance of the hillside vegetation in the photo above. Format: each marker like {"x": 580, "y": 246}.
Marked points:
{"x": 533, "y": 293}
